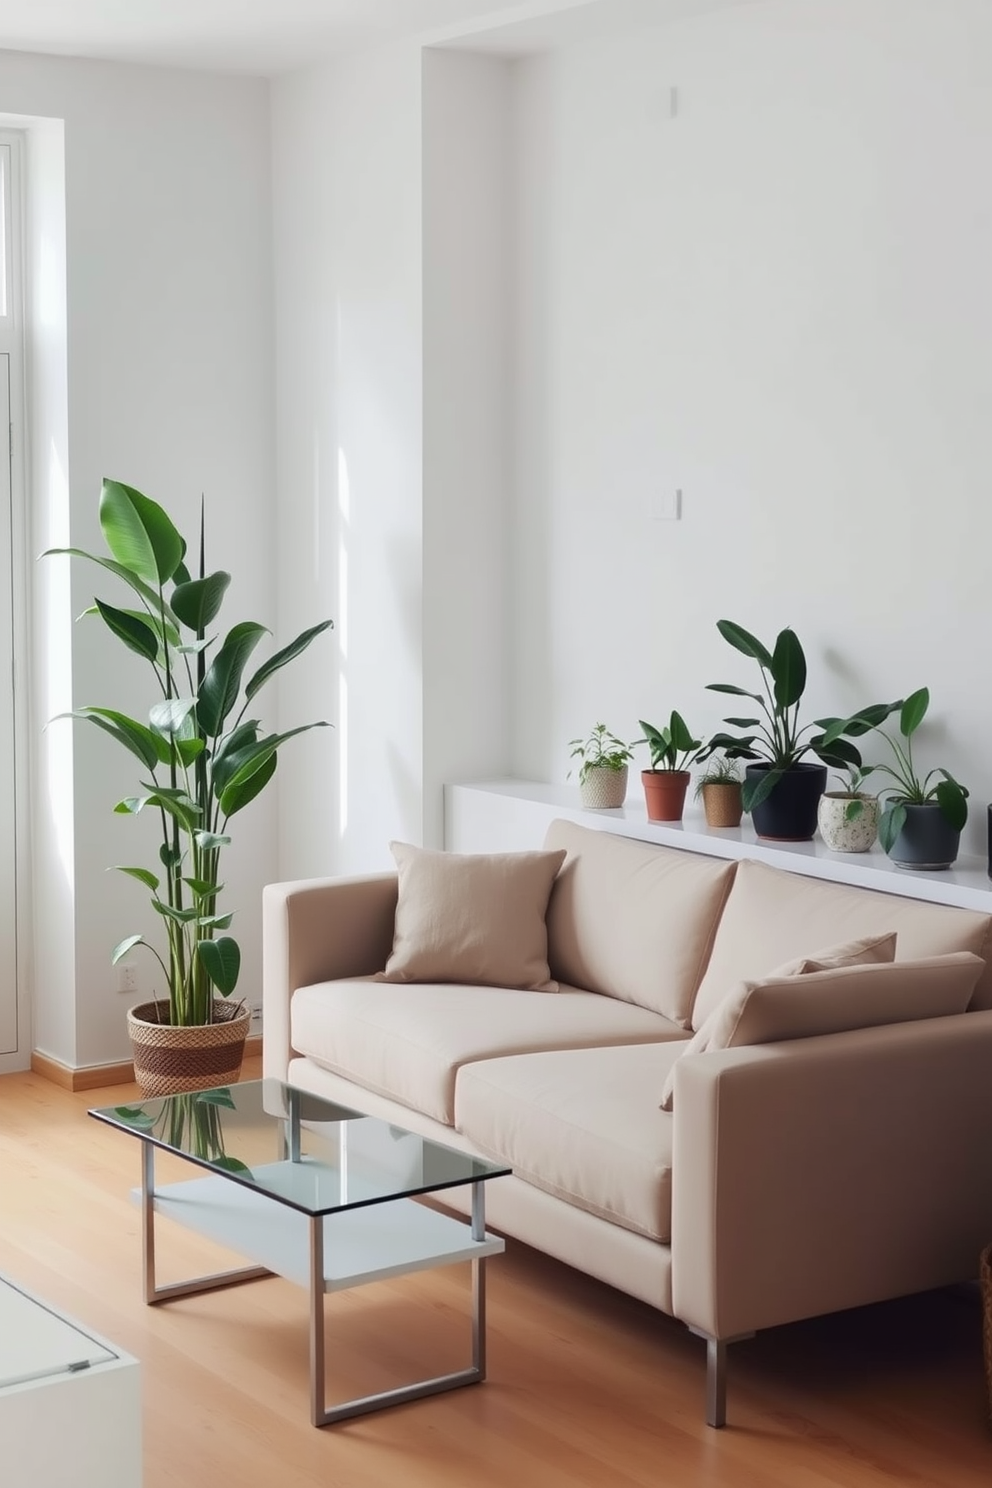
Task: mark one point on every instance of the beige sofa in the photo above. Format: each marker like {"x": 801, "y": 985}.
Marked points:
{"x": 794, "y": 1176}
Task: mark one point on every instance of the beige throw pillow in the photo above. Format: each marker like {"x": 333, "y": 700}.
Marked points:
{"x": 472, "y": 917}
{"x": 712, "y": 1032}
{"x": 835, "y": 1001}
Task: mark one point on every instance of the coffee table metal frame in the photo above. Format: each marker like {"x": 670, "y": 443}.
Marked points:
{"x": 476, "y": 1250}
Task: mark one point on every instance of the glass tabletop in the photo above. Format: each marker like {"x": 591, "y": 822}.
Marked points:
{"x": 297, "y": 1148}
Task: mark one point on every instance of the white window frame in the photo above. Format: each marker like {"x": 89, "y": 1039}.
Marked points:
{"x": 13, "y": 345}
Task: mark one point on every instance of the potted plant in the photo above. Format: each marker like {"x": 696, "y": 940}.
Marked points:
{"x": 603, "y": 769}
{"x": 673, "y": 750}
{"x": 782, "y": 787}
{"x": 922, "y": 817}
{"x": 203, "y": 760}
{"x": 848, "y": 818}
{"x": 720, "y": 788}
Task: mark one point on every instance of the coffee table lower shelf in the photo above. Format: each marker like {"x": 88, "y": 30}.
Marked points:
{"x": 322, "y": 1254}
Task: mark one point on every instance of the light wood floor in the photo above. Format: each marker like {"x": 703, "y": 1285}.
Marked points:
{"x": 585, "y": 1386}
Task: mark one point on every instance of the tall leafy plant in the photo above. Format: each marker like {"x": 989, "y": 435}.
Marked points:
{"x": 778, "y": 738}
{"x": 204, "y": 756}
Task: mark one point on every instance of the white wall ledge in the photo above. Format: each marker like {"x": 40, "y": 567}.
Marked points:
{"x": 512, "y": 815}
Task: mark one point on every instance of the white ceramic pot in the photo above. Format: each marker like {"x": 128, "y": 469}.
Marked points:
{"x": 603, "y": 788}
{"x": 842, "y": 831}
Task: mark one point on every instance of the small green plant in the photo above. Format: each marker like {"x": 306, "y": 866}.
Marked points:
{"x": 601, "y": 750}
{"x": 909, "y": 788}
{"x": 778, "y": 738}
{"x": 671, "y": 747}
{"x": 720, "y": 770}
{"x": 852, "y": 778}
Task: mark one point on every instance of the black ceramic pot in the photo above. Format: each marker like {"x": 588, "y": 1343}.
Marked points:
{"x": 927, "y": 839}
{"x": 788, "y": 814}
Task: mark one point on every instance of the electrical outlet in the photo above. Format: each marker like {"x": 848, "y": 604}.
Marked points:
{"x": 127, "y": 977}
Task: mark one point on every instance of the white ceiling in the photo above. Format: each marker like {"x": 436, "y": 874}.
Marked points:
{"x": 251, "y": 36}
{"x": 272, "y": 36}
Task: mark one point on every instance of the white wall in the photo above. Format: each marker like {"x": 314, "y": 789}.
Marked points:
{"x": 777, "y": 301}
{"x": 467, "y": 219}
{"x": 169, "y": 387}
{"x": 347, "y": 212}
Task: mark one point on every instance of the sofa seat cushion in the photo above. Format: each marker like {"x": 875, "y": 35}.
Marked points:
{"x": 581, "y": 1124}
{"x": 772, "y": 916}
{"x": 632, "y": 920}
{"x": 408, "y": 1042}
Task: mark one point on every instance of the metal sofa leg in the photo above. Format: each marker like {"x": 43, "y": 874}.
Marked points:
{"x": 716, "y": 1375}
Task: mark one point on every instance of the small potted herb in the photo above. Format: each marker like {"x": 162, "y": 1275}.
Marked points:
{"x": 603, "y": 768}
{"x": 720, "y": 788}
{"x": 848, "y": 818}
{"x": 673, "y": 750}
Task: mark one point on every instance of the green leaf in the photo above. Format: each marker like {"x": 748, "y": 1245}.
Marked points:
{"x": 122, "y": 948}
{"x": 208, "y": 841}
{"x": 840, "y": 752}
{"x": 198, "y": 601}
{"x": 734, "y": 691}
{"x": 189, "y": 749}
{"x": 953, "y": 803}
{"x": 136, "y": 634}
{"x": 136, "y": 1117}
{"x": 215, "y": 922}
{"x": 169, "y": 912}
{"x": 202, "y": 887}
{"x": 914, "y": 711}
{"x": 169, "y": 856}
{"x": 220, "y": 1097}
{"x": 742, "y": 640}
{"x": 682, "y": 740}
{"x": 232, "y": 1165}
{"x": 219, "y": 690}
{"x": 221, "y": 960}
{"x": 743, "y": 722}
{"x": 239, "y": 767}
{"x": 172, "y": 717}
{"x": 149, "y": 595}
{"x": 139, "y": 534}
{"x": 287, "y": 653}
{"x": 227, "y": 755}
{"x": 788, "y": 669}
{"x": 176, "y": 804}
{"x": 854, "y": 809}
{"x": 164, "y": 629}
{"x": 242, "y": 791}
{"x": 143, "y": 875}
{"x": 890, "y": 824}
{"x": 758, "y": 788}
{"x": 134, "y": 736}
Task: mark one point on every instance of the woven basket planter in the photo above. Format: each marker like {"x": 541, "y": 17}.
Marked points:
{"x": 722, "y": 803}
{"x": 603, "y": 789}
{"x": 169, "y": 1061}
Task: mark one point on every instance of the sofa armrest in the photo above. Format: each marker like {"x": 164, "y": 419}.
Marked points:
{"x": 316, "y": 930}
{"x": 827, "y": 1173}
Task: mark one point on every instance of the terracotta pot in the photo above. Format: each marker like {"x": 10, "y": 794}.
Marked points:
{"x": 168, "y": 1061}
{"x": 603, "y": 789}
{"x": 844, "y": 834}
{"x": 722, "y": 803}
{"x": 664, "y": 793}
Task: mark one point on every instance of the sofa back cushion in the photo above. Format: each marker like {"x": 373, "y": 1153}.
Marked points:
{"x": 806, "y": 1005}
{"x": 772, "y": 916}
{"x": 634, "y": 921}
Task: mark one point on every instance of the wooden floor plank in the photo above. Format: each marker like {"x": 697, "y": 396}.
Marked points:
{"x": 586, "y": 1387}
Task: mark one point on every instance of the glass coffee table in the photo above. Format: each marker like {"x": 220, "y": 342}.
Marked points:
{"x": 316, "y": 1193}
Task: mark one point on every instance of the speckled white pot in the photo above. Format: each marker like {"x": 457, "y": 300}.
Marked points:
{"x": 841, "y": 835}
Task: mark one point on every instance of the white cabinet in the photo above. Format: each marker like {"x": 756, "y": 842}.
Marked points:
{"x": 70, "y": 1402}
